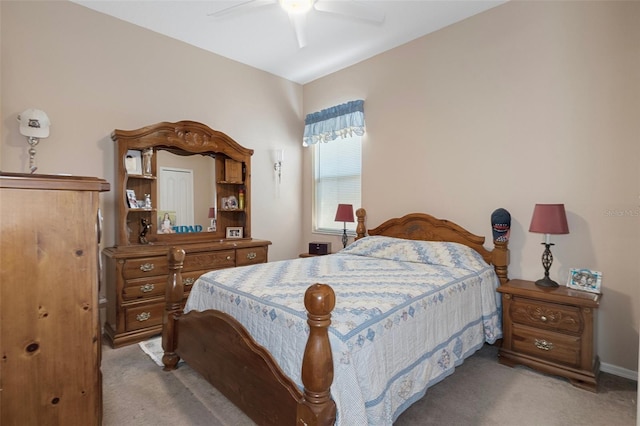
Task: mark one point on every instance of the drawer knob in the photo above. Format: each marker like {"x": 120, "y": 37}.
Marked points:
{"x": 189, "y": 281}
{"x": 143, "y": 316}
{"x": 147, "y": 288}
{"x": 543, "y": 344}
{"x": 251, "y": 255}
{"x": 543, "y": 318}
{"x": 147, "y": 267}
{"x": 228, "y": 257}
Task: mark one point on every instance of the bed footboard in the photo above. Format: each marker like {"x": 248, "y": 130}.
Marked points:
{"x": 220, "y": 349}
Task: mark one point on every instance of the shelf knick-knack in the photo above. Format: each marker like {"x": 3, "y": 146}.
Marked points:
{"x": 146, "y": 161}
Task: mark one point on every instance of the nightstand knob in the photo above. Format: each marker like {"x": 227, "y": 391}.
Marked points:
{"x": 543, "y": 318}
{"x": 543, "y": 344}
{"x": 143, "y": 316}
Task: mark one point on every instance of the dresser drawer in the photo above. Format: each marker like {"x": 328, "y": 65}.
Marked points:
{"x": 251, "y": 255}
{"x": 144, "y": 316}
{"x": 145, "y": 267}
{"x": 141, "y": 288}
{"x": 547, "y": 345}
{"x": 211, "y": 260}
{"x": 548, "y": 316}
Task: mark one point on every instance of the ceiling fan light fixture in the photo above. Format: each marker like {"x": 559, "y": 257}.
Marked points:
{"x": 296, "y": 6}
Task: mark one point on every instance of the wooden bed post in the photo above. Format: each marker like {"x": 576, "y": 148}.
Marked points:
{"x": 173, "y": 309}
{"x": 361, "y": 230}
{"x": 500, "y": 260}
{"x": 317, "y": 408}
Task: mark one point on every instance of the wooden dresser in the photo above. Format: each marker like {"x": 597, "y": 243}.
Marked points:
{"x": 212, "y": 219}
{"x": 551, "y": 330}
{"x": 49, "y": 318}
{"x": 136, "y": 281}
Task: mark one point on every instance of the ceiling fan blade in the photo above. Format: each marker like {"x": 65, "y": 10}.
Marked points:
{"x": 351, "y": 9}
{"x": 299, "y": 20}
{"x": 241, "y": 7}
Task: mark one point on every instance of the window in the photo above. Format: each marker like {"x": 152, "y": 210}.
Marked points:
{"x": 337, "y": 180}
{"x": 335, "y": 134}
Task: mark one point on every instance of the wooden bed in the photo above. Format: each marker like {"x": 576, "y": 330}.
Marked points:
{"x": 219, "y": 348}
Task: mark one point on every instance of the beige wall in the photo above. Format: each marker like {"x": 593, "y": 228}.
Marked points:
{"x": 526, "y": 103}
{"x": 530, "y": 102}
{"x": 93, "y": 73}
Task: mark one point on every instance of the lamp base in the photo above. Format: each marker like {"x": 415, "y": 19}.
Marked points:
{"x": 547, "y": 282}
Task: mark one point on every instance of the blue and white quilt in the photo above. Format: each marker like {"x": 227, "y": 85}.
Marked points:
{"x": 407, "y": 313}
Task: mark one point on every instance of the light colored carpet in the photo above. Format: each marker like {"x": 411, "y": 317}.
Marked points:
{"x": 481, "y": 392}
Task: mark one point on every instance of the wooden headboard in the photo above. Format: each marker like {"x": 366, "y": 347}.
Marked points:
{"x": 421, "y": 226}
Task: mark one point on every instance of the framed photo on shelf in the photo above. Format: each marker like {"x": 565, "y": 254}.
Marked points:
{"x": 166, "y": 222}
{"x": 131, "y": 199}
{"x": 585, "y": 279}
{"x": 133, "y": 162}
{"x": 234, "y": 232}
{"x": 229, "y": 203}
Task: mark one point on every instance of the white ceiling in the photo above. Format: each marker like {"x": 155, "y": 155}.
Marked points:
{"x": 264, "y": 38}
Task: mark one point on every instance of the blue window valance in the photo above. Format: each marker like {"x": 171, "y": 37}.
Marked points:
{"x": 339, "y": 121}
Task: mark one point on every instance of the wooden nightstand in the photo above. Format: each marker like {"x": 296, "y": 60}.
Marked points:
{"x": 550, "y": 330}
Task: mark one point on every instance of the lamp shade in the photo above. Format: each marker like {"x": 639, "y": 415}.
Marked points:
{"x": 344, "y": 213}
{"x": 549, "y": 219}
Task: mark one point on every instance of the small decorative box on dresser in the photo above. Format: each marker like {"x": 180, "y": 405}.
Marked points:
{"x": 551, "y": 330}
{"x": 49, "y": 317}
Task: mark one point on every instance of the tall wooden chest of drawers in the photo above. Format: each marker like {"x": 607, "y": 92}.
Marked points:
{"x": 551, "y": 330}
{"x": 137, "y": 278}
{"x": 49, "y": 318}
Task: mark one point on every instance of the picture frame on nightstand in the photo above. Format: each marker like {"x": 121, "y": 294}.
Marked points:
{"x": 585, "y": 279}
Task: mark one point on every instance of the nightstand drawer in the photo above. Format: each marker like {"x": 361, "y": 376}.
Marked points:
{"x": 549, "y": 316}
{"x": 547, "y": 345}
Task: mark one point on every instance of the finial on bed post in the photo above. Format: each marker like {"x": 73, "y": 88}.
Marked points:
{"x": 317, "y": 408}
{"x": 361, "y": 230}
{"x": 173, "y": 307}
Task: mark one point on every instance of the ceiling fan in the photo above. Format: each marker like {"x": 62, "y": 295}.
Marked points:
{"x": 299, "y": 9}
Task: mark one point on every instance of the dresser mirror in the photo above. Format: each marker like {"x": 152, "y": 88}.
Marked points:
{"x": 186, "y": 191}
{"x": 175, "y": 181}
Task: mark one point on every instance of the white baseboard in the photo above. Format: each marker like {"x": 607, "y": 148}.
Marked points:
{"x": 619, "y": 371}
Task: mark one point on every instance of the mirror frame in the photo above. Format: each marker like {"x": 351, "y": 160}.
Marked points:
{"x": 183, "y": 138}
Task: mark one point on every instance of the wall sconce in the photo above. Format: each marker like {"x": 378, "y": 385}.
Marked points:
{"x": 34, "y": 124}
{"x": 548, "y": 219}
{"x": 278, "y": 156}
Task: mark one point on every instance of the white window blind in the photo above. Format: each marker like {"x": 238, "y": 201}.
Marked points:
{"x": 337, "y": 180}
